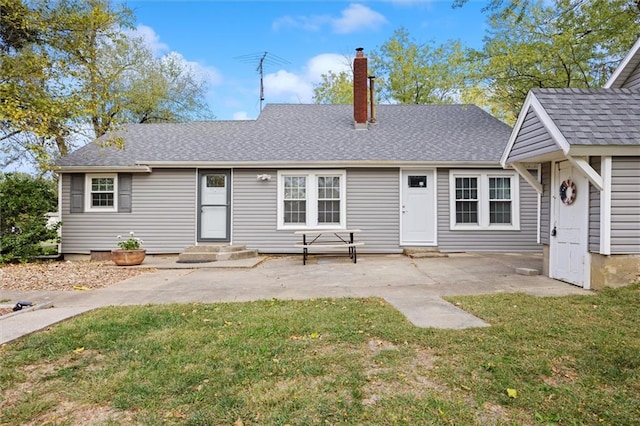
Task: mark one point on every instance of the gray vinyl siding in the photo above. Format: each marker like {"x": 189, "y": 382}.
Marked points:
{"x": 532, "y": 140}
{"x": 633, "y": 81}
{"x": 545, "y": 203}
{"x": 625, "y": 205}
{"x": 594, "y": 210}
{"x": 163, "y": 215}
{"x": 372, "y": 205}
{"x": 488, "y": 240}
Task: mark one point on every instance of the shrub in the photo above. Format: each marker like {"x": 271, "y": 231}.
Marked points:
{"x": 24, "y": 200}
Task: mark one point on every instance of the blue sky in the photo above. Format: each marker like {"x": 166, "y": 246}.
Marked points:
{"x": 223, "y": 40}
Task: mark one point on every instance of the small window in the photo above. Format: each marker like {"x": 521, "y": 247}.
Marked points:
{"x": 101, "y": 192}
{"x": 295, "y": 199}
{"x": 500, "y": 200}
{"x": 467, "y": 200}
{"x": 216, "y": 181}
{"x": 417, "y": 181}
{"x": 329, "y": 199}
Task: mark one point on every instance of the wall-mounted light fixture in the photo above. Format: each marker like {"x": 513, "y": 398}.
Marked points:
{"x": 263, "y": 176}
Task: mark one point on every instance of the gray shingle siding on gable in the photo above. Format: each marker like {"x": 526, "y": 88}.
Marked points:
{"x": 164, "y": 227}
{"x": 633, "y": 81}
{"x": 309, "y": 133}
{"x": 625, "y": 205}
{"x": 533, "y": 139}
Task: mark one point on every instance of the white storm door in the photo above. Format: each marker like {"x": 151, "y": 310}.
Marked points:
{"x": 418, "y": 207}
{"x": 214, "y": 206}
{"x": 569, "y": 260}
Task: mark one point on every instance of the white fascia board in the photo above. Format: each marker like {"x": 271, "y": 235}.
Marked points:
{"x": 622, "y": 67}
{"x": 551, "y": 127}
{"x": 522, "y": 171}
{"x": 516, "y": 129}
{"x": 588, "y": 171}
{"x": 319, "y": 164}
{"x": 103, "y": 169}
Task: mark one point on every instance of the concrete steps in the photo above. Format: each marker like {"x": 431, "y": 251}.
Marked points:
{"x": 422, "y": 252}
{"x": 214, "y": 253}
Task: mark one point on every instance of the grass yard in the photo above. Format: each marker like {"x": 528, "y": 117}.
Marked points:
{"x": 567, "y": 361}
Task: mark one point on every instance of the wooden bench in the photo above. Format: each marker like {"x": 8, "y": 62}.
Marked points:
{"x": 341, "y": 241}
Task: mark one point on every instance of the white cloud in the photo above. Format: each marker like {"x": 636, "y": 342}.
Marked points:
{"x": 151, "y": 39}
{"x": 209, "y": 74}
{"x": 285, "y": 86}
{"x": 240, "y": 115}
{"x": 356, "y": 17}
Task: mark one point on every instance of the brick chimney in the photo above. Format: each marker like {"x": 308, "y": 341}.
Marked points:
{"x": 360, "y": 105}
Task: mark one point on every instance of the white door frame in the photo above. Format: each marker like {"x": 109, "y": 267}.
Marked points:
{"x": 555, "y": 207}
{"x": 433, "y": 172}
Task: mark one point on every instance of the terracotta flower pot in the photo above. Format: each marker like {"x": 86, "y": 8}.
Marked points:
{"x": 123, "y": 257}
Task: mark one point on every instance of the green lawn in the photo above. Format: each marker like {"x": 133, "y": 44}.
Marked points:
{"x": 570, "y": 360}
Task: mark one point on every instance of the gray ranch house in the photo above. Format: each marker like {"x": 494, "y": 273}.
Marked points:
{"x": 406, "y": 175}
{"x": 586, "y": 142}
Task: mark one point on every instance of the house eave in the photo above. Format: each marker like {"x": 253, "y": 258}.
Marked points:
{"x": 317, "y": 164}
{"x": 103, "y": 169}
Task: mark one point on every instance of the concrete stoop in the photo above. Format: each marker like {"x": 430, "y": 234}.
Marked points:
{"x": 213, "y": 253}
{"x": 422, "y": 252}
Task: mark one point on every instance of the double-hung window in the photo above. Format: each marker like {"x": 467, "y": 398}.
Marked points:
{"x": 102, "y": 192}
{"x": 484, "y": 200}
{"x": 310, "y": 199}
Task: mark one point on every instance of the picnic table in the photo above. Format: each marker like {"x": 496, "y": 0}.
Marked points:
{"x": 328, "y": 238}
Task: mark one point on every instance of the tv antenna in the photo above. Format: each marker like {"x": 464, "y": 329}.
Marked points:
{"x": 262, "y": 60}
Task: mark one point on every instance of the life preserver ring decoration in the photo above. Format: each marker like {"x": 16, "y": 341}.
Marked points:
{"x": 568, "y": 192}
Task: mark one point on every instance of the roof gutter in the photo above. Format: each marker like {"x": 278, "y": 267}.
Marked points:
{"x": 103, "y": 169}
{"x": 307, "y": 164}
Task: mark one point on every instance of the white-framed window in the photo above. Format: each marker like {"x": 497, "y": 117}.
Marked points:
{"x": 101, "y": 192}
{"x": 311, "y": 199}
{"x": 484, "y": 200}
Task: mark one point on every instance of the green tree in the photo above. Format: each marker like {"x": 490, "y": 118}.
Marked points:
{"x": 335, "y": 88}
{"x": 406, "y": 72}
{"x": 71, "y": 72}
{"x": 418, "y": 73}
{"x": 535, "y": 44}
{"x": 24, "y": 200}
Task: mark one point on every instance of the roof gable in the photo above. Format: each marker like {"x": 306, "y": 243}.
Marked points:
{"x": 572, "y": 117}
{"x": 629, "y": 65}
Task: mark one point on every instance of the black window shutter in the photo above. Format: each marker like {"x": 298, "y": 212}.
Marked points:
{"x": 77, "y": 193}
{"x": 124, "y": 192}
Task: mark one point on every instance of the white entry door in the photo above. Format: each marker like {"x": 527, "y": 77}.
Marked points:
{"x": 568, "y": 254}
{"x": 214, "y": 206}
{"x": 418, "y": 208}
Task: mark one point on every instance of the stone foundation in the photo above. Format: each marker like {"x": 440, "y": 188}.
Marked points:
{"x": 614, "y": 271}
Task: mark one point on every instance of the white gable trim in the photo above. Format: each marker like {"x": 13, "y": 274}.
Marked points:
{"x": 613, "y": 80}
{"x": 545, "y": 119}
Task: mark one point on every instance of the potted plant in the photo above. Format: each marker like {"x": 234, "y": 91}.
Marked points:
{"x": 130, "y": 251}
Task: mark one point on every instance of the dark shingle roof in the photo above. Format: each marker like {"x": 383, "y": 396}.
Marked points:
{"x": 594, "y": 116}
{"x": 309, "y": 133}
